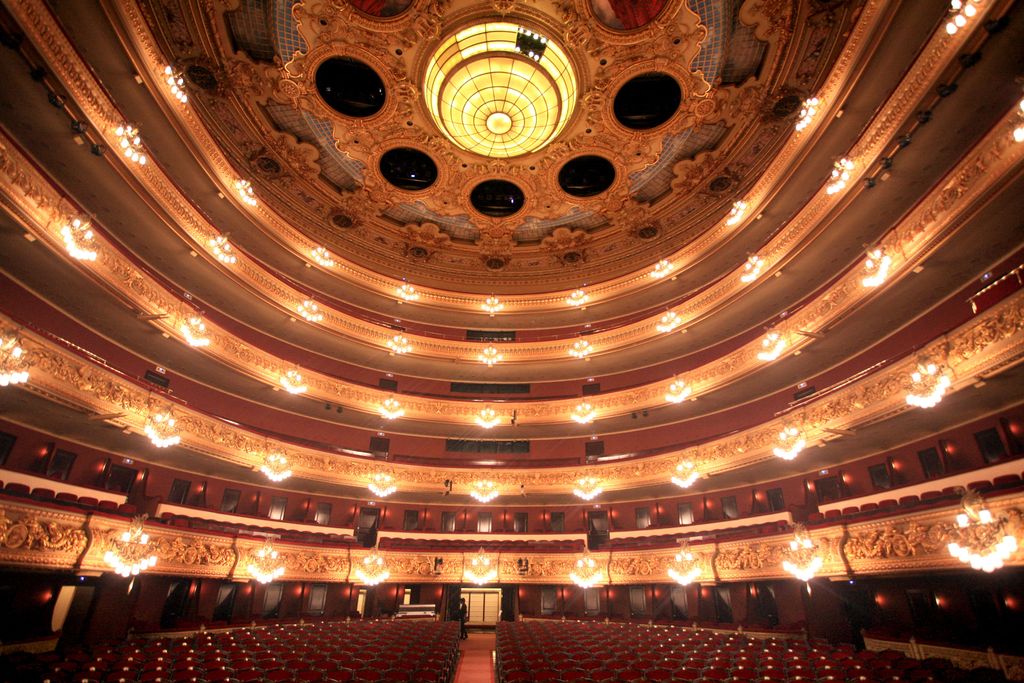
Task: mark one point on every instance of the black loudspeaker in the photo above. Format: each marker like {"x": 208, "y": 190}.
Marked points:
{"x": 591, "y": 388}
{"x": 804, "y": 393}
{"x": 154, "y": 377}
{"x": 593, "y": 449}
{"x": 388, "y": 384}
{"x": 379, "y": 446}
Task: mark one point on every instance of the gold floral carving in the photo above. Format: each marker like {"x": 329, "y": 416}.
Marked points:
{"x": 38, "y": 537}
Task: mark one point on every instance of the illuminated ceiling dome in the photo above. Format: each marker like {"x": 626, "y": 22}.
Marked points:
{"x": 499, "y": 89}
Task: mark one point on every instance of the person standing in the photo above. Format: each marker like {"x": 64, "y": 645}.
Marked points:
{"x": 463, "y": 618}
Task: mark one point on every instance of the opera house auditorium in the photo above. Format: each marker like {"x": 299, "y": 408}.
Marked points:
{"x": 511, "y": 341}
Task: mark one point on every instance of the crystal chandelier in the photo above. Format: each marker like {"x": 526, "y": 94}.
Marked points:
{"x": 661, "y": 269}
{"x": 1018, "y": 132}
{"x": 686, "y": 475}
{"x": 79, "y": 240}
{"x": 580, "y": 348}
{"x": 736, "y": 213}
{"x": 677, "y": 392}
{"x": 263, "y": 564}
{"x": 684, "y": 568}
{"x": 481, "y": 569}
{"x": 586, "y": 573}
{"x": 807, "y": 113}
{"x": 130, "y": 143}
{"x": 928, "y": 384}
{"x": 129, "y": 554}
{"x": 801, "y": 558}
{"x": 577, "y": 297}
{"x": 490, "y": 356}
{"x": 382, "y": 484}
{"x": 310, "y": 311}
{"x": 492, "y": 305}
{"x": 245, "y": 192}
{"x": 13, "y": 364}
{"x": 162, "y": 430}
{"x": 876, "y": 267}
{"x": 194, "y": 330}
{"x": 176, "y": 83}
{"x": 669, "y": 322}
{"x": 222, "y": 249}
{"x": 391, "y": 408}
{"x": 840, "y": 176}
{"x": 373, "y": 569}
{"x": 588, "y": 488}
{"x": 983, "y": 541}
{"x": 322, "y": 256}
{"x": 583, "y": 413}
{"x": 484, "y": 490}
{"x": 487, "y": 418}
{"x": 407, "y": 292}
{"x": 962, "y": 10}
{"x": 772, "y": 346}
{"x": 789, "y": 443}
{"x": 275, "y": 467}
{"x": 293, "y": 383}
{"x": 752, "y": 268}
{"x": 399, "y": 344}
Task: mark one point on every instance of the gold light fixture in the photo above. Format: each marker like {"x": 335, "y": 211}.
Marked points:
{"x": 577, "y": 297}
{"x": 245, "y": 192}
{"x": 586, "y": 573}
{"x": 686, "y": 475}
{"x": 222, "y": 249}
{"x": 399, "y": 344}
{"x": 807, "y": 113}
{"x": 772, "y": 346}
{"x": 484, "y": 490}
{"x": 981, "y": 540}
{"x": 130, "y": 554}
{"x": 580, "y": 348}
{"x": 736, "y": 213}
{"x": 162, "y": 430}
{"x": 382, "y": 484}
{"x": 373, "y": 569}
{"x": 876, "y": 267}
{"x": 669, "y": 322}
{"x": 789, "y": 443}
{"x": 391, "y": 408}
{"x": 293, "y": 382}
{"x": 322, "y": 256}
{"x": 1018, "y": 131}
{"x": 583, "y": 413}
{"x": 407, "y": 292}
{"x": 840, "y": 176}
{"x": 752, "y": 268}
{"x": 309, "y": 310}
{"x": 194, "y": 330}
{"x": 487, "y": 418}
{"x": 490, "y": 356}
{"x": 79, "y": 240}
{"x": 481, "y": 569}
{"x": 275, "y": 466}
{"x": 264, "y": 565}
{"x": 962, "y": 11}
{"x": 677, "y": 392}
{"x": 684, "y": 568}
{"x": 802, "y": 559}
{"x": 928, "y": 384}
{"x": 662, "y": 268}
{"x": 176, "y": 84}
{"x": 130, "y": 143}
{"x": 588, "y": 488}
{"x": 492, "y": 305}
{"x": 13, "y": 361}
{"x": 499, "y": 89}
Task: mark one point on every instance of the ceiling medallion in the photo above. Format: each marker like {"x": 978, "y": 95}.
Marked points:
{"x": 499, "y": 89}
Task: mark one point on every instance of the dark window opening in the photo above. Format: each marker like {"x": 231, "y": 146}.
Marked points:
{"x": 59, "y": 465}
{"x": 990, "y": 444}
{"x": 931, "y": 463}
{"x": 179, "y": 491}
{"x": 229, "y": 501}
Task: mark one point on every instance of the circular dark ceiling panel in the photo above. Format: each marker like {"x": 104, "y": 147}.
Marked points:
{"x": 647, "y": 101}
{"x": 497, "y": 198}
{"x": 586, "y": 176}
{"x": 408, "y": 169}
{"x": 350, "y": 87}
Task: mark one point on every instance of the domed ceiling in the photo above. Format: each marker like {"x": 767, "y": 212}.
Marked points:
{"x": 502, "y": 146}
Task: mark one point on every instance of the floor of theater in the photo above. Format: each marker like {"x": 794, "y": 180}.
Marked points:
{"x": 476, "y": 664}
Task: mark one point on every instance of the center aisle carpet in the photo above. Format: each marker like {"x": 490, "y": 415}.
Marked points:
{"x": 475, "y": 664}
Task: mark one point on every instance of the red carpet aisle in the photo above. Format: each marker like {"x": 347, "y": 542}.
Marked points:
{"x": 475, "y": 665}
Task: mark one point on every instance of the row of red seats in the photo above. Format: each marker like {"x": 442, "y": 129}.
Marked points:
{"x": 458, "y": 545}
{"x": 672, "y": 539}
{"x": 200, "y": 523}
{"x": 49, "y": 496}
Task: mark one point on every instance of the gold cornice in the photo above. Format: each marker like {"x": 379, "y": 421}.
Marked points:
{"x": 33, "y": 536}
